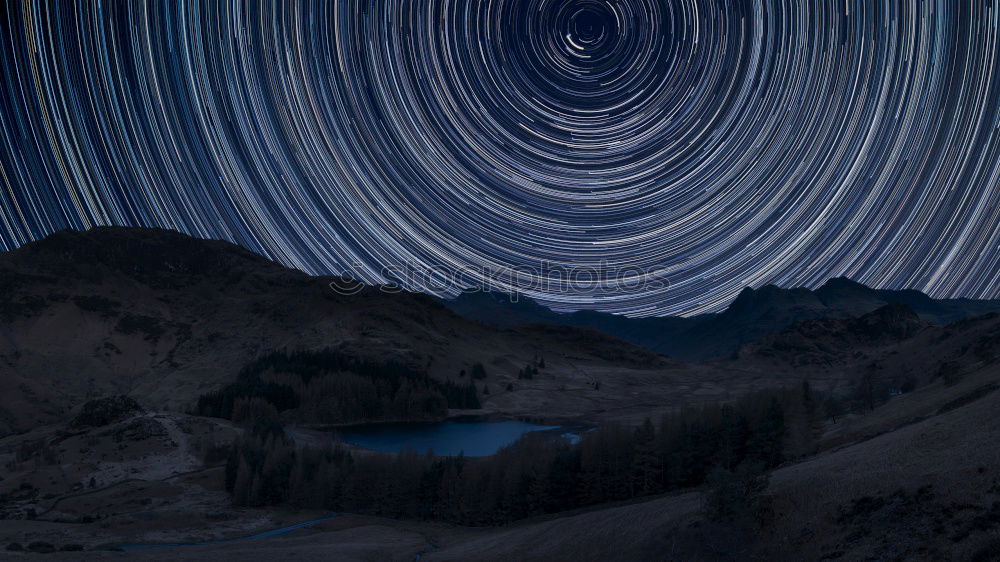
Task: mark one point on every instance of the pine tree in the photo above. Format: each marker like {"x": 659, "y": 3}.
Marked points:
{"x": 478, "y": 371}
{"x": 767, "y": 443}
{"x": 243, "y": 483}
{"x": 645, "y": 465}
{"x": 808, "y": 398}
{"x": 804, "y": 421}
{"x": 733, "y": 435}
{"x": 833, "y": 407}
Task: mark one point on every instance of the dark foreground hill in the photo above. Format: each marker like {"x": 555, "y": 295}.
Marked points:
{"x": 913, "y": 479}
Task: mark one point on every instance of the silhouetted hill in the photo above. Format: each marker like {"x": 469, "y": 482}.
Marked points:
{"x": 754, "y": 313}
{"x": 824, "y": 340}
{"x": 500, "y": 310}
{"x": 166, "y": 317}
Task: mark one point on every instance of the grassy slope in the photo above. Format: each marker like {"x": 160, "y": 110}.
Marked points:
{"x": 957, "y": 453}
{"x": 819, "y": 504}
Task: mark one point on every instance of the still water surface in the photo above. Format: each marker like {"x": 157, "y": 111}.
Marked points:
{"x": 449, "y": 438}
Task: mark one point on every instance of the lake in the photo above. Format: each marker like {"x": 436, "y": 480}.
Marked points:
{"x": 449, "y": 438}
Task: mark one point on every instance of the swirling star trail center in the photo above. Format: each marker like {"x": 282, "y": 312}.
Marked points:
{"x": 706, "y": 145}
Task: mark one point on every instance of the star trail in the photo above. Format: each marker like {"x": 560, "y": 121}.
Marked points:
{"x": 699, "y": 146}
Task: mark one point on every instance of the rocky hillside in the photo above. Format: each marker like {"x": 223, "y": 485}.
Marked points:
{"x": 824, "y": 340}
{"x": 165, "y": 318}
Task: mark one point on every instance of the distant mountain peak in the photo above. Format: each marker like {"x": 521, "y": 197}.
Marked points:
{"x": 745, "y": 296}
{"x": 769, "y": 296}
{"x": 843, "y": 283}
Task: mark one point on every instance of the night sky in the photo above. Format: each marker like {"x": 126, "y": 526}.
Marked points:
{"x": 700, "y": 146}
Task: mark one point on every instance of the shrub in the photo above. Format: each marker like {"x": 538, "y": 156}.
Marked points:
{"x": 105, "y": 411}
{"x": 478, "y": 371}
{"x": 106, "y": 307}
{"x": 951, "y": 372}
{"x": 253, "y": 410}
{"x": 131, "y": 324}
{"x": 739, "y": 494}
{"x": 41, "y": 547}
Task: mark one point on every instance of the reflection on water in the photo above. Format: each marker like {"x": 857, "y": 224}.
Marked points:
{"x": 450, "y": 438}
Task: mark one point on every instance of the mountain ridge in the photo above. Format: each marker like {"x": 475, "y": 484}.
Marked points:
{"x": 165, "y": 317}
{"x": 753, "y": 314}
{"x": 167, "y": 259}
{"x": 168, "y": 317}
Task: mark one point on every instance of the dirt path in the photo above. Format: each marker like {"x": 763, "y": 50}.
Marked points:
{"x": 261, "y": 535}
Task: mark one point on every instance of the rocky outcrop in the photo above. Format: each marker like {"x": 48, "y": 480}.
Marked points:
{"x": 105, "y": 411}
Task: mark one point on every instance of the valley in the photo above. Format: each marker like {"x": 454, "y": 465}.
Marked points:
{"x": 217, "y": 349}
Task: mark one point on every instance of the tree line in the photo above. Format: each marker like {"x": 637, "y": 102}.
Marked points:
{"x": 331, "y": 387}
{"x": 537, "y": 475}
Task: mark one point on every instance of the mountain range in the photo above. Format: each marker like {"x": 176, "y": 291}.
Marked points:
{"x": 166, "y": 317}
{"x": 755, "y": 313}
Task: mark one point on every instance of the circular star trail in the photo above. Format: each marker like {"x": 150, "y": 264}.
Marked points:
{"x": 687, "y": 147}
